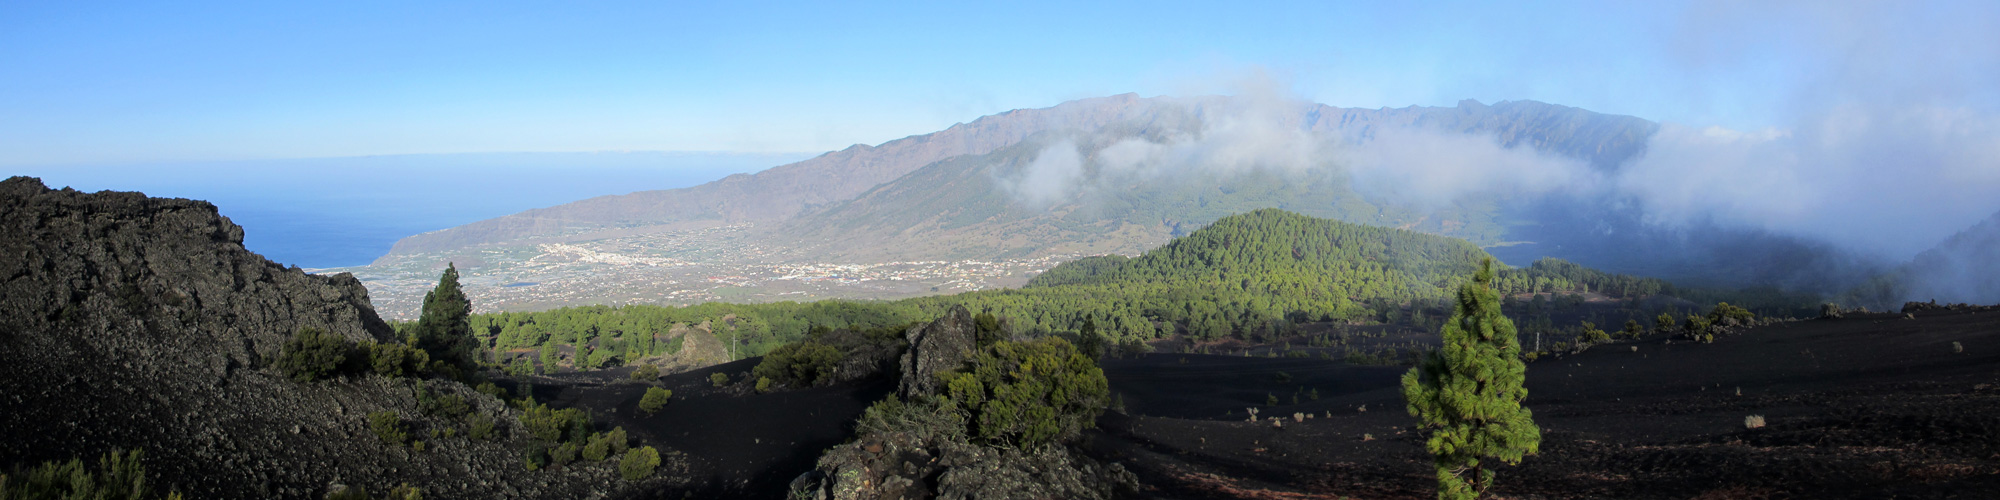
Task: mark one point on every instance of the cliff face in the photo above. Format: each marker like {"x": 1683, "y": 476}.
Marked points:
{"x": 136, "y": 322}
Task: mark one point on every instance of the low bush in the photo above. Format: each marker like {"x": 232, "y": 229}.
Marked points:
{"x": 492, "y": 390}
{"x": 719, "y": 379}
{"x": 1632, "y": 329}
{"x": 654, "y": 399}
{"x": 1664, "y": 322}
{"x": 563, "y": 454}
{"x": 479, "y": 427}
{"x": 1591, "y": 334}
{"x": 605, "y": 445}
{"x": 646, "y": 373}
{"x": 639, "y": 463}
{"x": 388, "y": 426}
{"x": 763, "y": 384}
{"x": 552, "y": 425}
{"x": 405, "y": 492}
{"x": 798, "y": 364}
{"x": 397, "y": 360}
{"x": 534, "y": 456}
{"x": 1030, "y": 393}
{"x": 119, "y": 475}
{"x": 1725, "y": 314}
{"x": 312, "y": 355}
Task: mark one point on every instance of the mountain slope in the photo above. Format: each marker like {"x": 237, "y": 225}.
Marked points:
{"x": 135, "y": 322}
{"x": 975, "y": 207}
{"x": 1254, "y": 275}
{"x": 781, "y": 191}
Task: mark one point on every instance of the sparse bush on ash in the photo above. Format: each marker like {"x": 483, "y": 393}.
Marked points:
{"x": 119, "y": 475}
{"x": 1031, "y": 393}
{"x": 797, "y": 365}
{"x": 639, "y": 463}
{"x": 388, "y": 426}
{"x": 313, "y": 354}
{"x": 646, "y": 373}
{"x": 654, "y": 399}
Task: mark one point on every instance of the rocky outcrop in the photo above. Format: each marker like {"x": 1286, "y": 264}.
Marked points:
{"x": 135, "y": 322}
{"x": 940, "y": 346}
{"x": 700, "y": 348}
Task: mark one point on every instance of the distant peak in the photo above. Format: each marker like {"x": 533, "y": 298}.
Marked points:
{"x": 1471, "y": 104}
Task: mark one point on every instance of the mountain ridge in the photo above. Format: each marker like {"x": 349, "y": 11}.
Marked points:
{"x": 787, "y": 191}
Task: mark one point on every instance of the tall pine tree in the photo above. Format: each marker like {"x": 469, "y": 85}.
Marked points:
{"x": 1468, "y": 393}
{"x": 444, "y": 330}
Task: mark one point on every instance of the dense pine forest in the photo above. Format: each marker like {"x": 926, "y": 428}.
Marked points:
{"x": 1253, "y": 277}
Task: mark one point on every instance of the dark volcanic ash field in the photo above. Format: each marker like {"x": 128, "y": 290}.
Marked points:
{"x": 1870, "y": 406}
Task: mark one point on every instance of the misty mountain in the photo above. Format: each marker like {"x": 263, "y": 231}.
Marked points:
{"x": 1125, "y": 174}
{"x": 1964, "y": 268}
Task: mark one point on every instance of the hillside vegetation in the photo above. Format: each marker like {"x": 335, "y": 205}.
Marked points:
{"x": 1252, "y": 276}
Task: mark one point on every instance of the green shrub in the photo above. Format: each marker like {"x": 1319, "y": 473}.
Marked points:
{"x": 639, "y": 463}
{"x": 1725, "y": 313}
{"x": 654, "y": 399}
{"x": 521, "y": 367}
{"x": 763, "y": 384}
{"x": 492, "y": 390}
{"x": 119, "y": 475}
{"x": 596, "y": 448}
{"x": 617, "y": 439}
{"x": 1030, "y": 393}
{"x": 550, "y": 425}
{"x": 1270, "y": 399}
{"x": 388, "y": 426}
{"x": 605, "y": 445}
{"x": 479, "y": 426}
{"x": 1632, "y": 329}
{"x": 405, "y": 492}
{"x": 312, "y": 355}
{"x": 1665, "y": 321}
{"x": 563, "y": 454}
{"x": 798, "y": 365}
{"x": 1282, "y": 377}
{"x": 646, "y": 373}
{"x": 719, "y": 379}
{"x": 397, "y": 360}
{"x": 350, "y": 493}
{"x": 1591, "y": 334}
{"x": 534, "y": 457}
{"x": 1696, "y": 326}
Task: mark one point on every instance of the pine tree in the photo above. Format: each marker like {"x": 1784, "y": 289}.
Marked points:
{"x": 444, "y": 330}
{"x": 1468, "y": 393}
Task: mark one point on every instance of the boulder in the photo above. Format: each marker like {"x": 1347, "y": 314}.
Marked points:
{"x": 941, "y": 346}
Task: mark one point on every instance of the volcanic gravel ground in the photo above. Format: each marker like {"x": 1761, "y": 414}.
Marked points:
{"x": 1874, "y": 406}
{"x": 738, "y": 446}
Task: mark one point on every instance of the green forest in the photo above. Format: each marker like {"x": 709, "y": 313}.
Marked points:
{"x": 1253, "y": 276}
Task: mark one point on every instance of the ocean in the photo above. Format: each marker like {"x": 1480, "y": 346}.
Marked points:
{"x": 335, "y": 212}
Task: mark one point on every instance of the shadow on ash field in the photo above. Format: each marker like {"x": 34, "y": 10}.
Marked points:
{"x": 1874, "y": 406}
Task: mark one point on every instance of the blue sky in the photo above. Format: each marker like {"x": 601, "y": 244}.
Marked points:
{"x": 109, "y": 82}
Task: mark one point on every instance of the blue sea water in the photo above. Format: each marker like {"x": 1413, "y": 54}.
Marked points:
{"x": 334, "y": 212}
